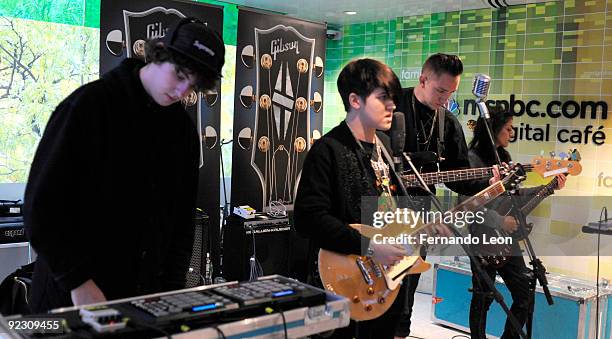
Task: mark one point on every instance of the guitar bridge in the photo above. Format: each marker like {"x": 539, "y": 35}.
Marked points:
{"x": 364, "y": 271}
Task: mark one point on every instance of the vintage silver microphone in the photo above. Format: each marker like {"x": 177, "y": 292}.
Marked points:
{"x": 480, "y": 89}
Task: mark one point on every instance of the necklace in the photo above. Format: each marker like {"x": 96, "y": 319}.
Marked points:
{"x": 385, "y": 201}
{"x": 431, "y": 130}
{"x": 381, "y": 169}
{"x": 427, "y": 138}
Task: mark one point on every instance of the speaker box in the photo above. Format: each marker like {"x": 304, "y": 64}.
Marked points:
{"x": 197, "y": 274}
{"x": 298, "y": 259}
{"x": 272, "y": 238}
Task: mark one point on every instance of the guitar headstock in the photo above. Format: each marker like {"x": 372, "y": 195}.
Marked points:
{"x": 567, "y": 163}
{"x": 513, "y": 175}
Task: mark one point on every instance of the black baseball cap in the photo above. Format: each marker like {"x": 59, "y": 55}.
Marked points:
{"x": 191, "y": 38}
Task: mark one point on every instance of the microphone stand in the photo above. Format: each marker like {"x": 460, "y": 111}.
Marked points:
{"x": 477, "y": 264}
{"x": 225, "y": 214}
{"x": 538, "y": 270}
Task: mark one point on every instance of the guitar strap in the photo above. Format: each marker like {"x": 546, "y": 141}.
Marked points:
{"x": 386, "y": 197}
{"x": 388, "y": 158}
{"x": 441, "y": 120}
{"x": 395, "y": 174}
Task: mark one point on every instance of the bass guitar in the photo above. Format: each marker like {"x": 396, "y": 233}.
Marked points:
{"x": 543, "y": 166}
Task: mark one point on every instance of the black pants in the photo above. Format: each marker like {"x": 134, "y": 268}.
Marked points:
{"x": 516, "y": 277}
{"x": 411, "y": 282}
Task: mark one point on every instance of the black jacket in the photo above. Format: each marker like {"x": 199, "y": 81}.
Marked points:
{"x": 329, "y": 195}
{"x": 111, "y": 193}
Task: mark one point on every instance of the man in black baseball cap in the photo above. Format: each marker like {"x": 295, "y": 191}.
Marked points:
{"x": 110, "y": 200}
{"x": 201, "y": 44}
{"x": 197, "y": 52}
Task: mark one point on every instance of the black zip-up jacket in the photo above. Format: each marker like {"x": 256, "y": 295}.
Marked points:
{"x": 111, "y": 193}
{"x": 332, "y": 183}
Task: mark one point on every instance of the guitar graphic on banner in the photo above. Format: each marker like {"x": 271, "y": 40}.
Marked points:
{"x": 284, "y": 59}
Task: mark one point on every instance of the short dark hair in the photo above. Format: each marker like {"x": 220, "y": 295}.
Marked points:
{"x": 157, "y": 53}
{"x": 481, "y": 143}
{"x": 440, "y": 63}
{"x": 363, "y": 76}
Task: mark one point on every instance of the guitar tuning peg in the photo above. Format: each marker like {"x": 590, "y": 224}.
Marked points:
{"x": 541, "y": 152}
{"x": 563, "y": 155}
{"x": 552, "y": 154}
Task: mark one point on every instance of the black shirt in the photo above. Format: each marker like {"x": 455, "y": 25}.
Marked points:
{"x": 455, "y": 151}
{"x": 337, "y": 173}
{"x": 111, "y": 192}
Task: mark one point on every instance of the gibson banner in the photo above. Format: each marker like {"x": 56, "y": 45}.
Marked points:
{"x": 278, "y": 106}
{"x": 124, "y": 28}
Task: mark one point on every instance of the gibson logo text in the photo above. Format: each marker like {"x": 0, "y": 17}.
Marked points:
{"x": 277, "y": 46}
{"x": 156, "y": 30}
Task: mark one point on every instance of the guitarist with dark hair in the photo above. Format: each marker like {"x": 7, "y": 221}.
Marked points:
{"x": 347, "y": 163}
{"x": 514, "y": 271}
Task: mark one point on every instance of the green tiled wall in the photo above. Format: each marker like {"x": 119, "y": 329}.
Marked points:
{"x": 549, "y": 49}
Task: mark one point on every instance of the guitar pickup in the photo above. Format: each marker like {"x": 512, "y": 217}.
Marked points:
{"x": 376, "y": 269}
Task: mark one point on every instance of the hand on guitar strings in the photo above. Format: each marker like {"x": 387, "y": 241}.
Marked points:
{"x": 496, "y": 174}
{"x": 386, "y": 254}
{"x": 443, "y": 230}
{"x": 561, "y": 179}
{"x": 510, "y": 224}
